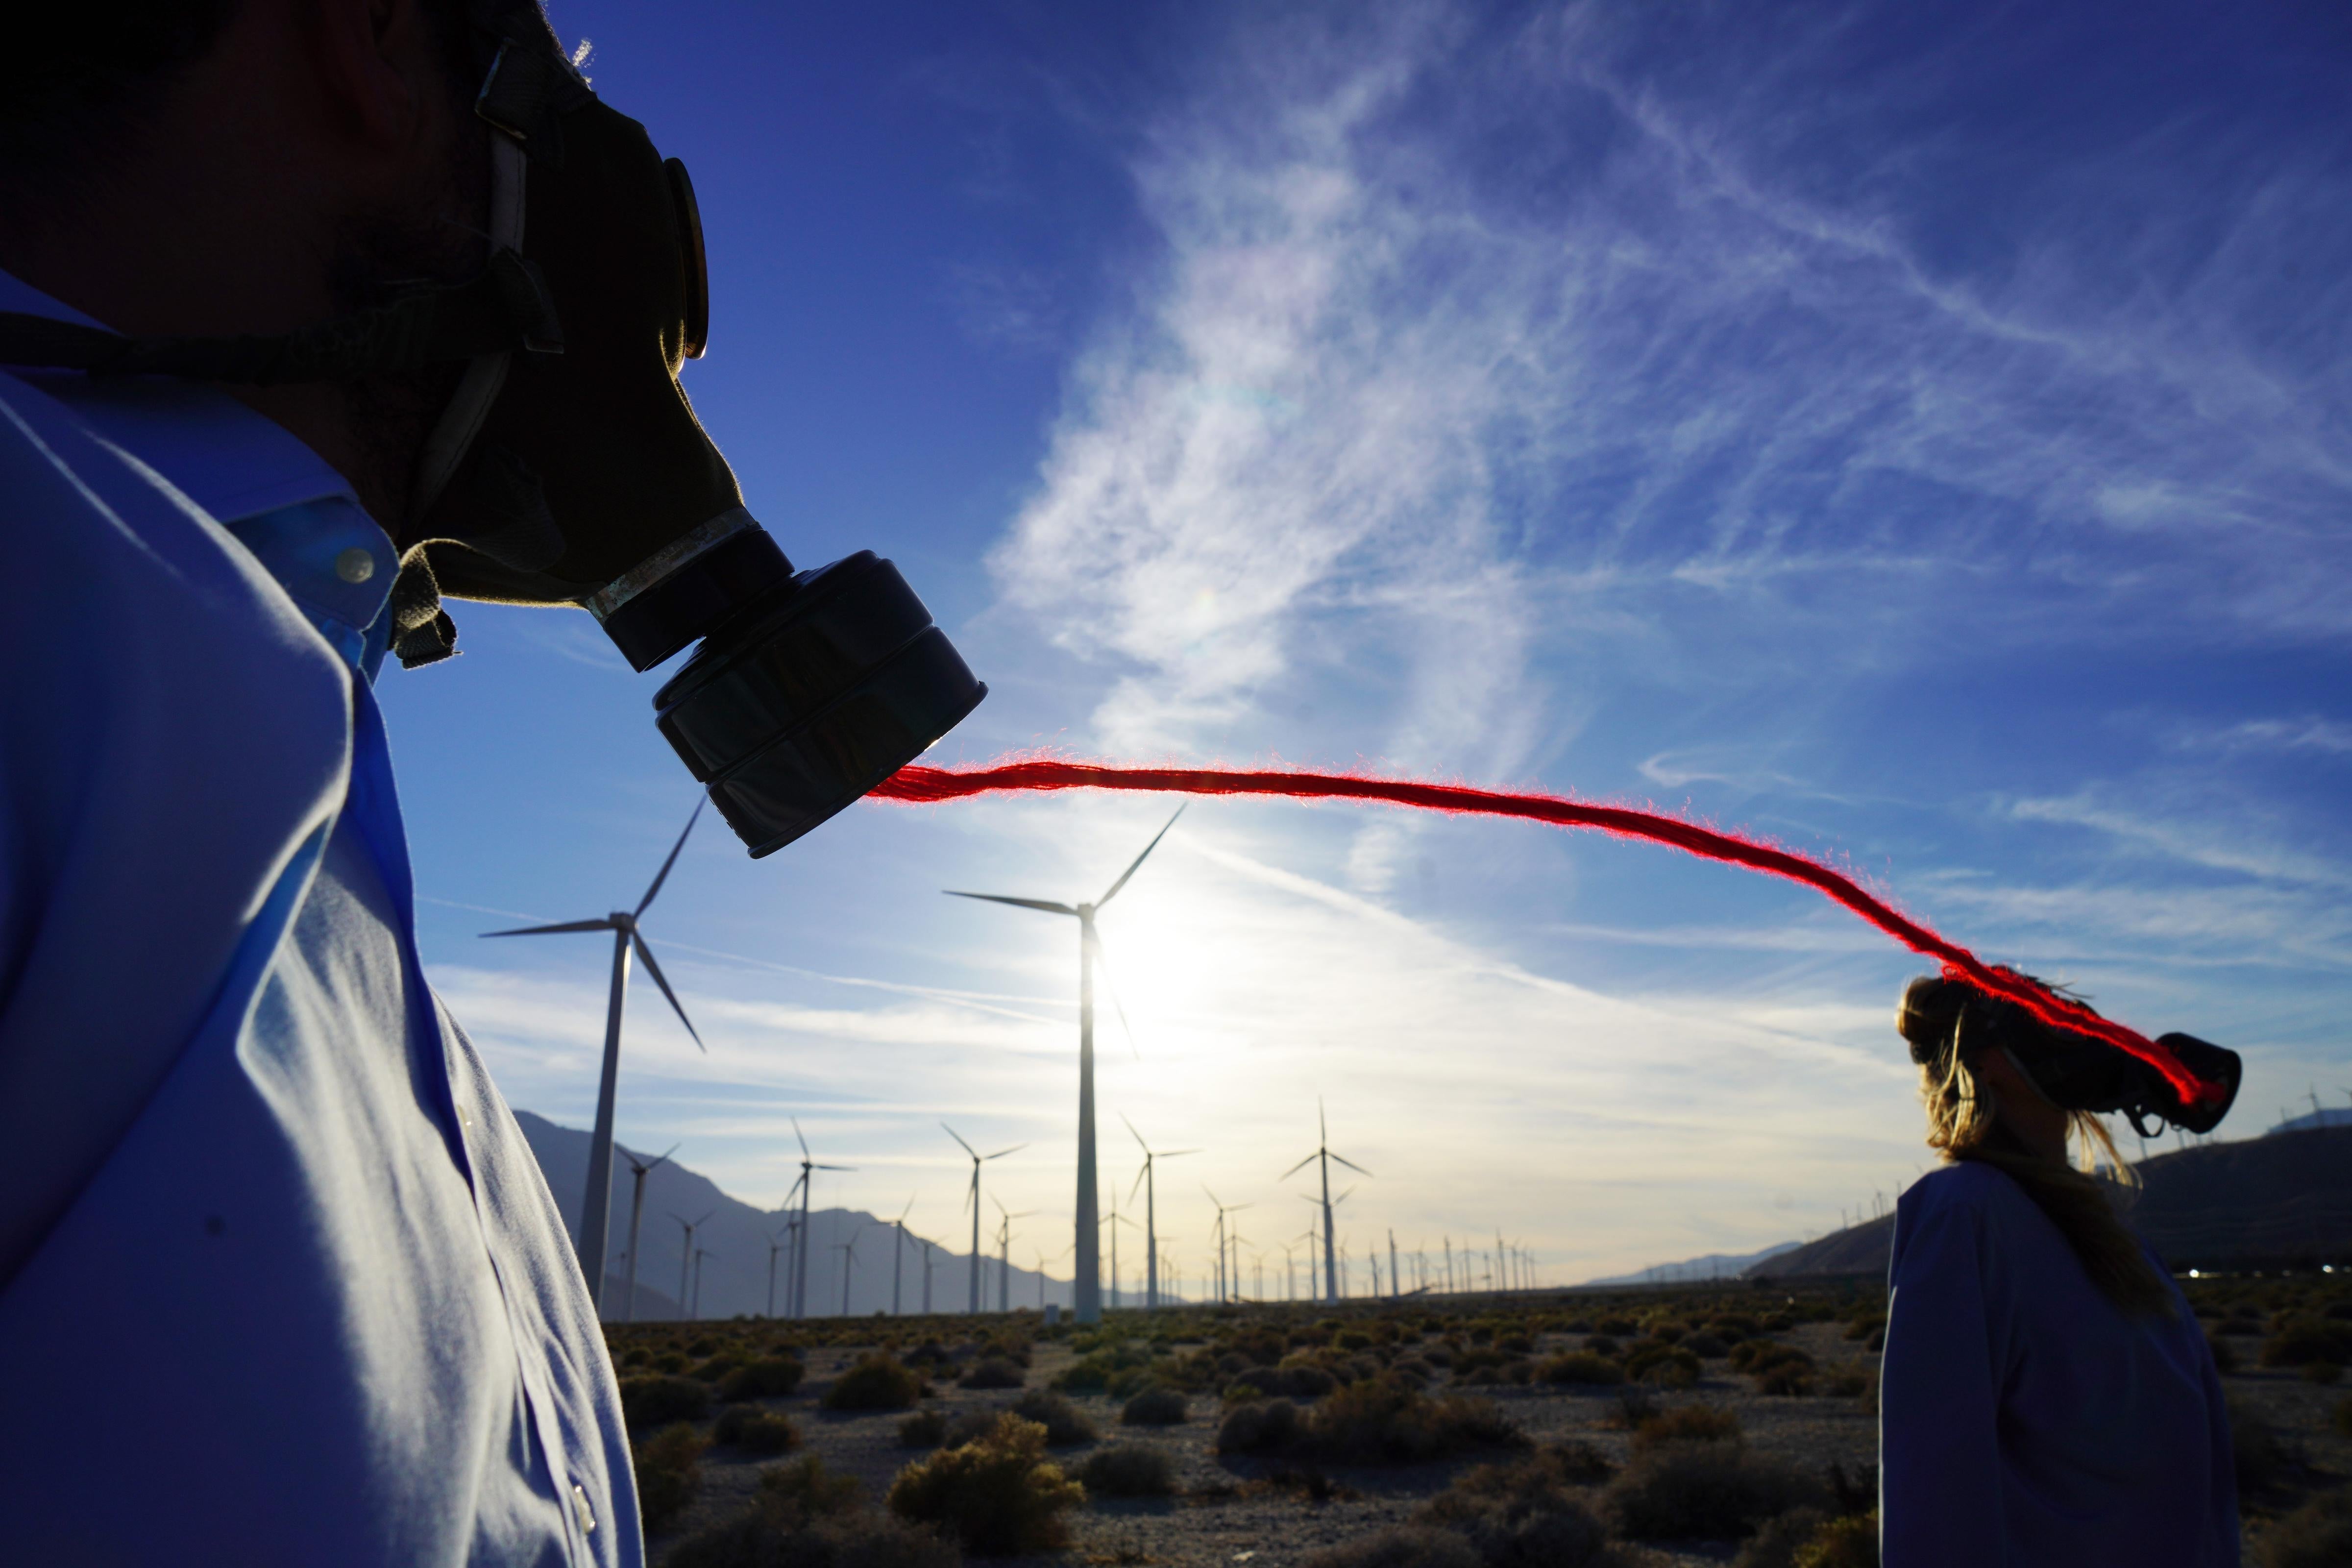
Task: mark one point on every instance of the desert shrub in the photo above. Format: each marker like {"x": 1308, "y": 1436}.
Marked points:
{"x": 1602, "y": 1344}
{"x": 1295, "y": 1382}
{"x": 2262, "y": 1460}
{"x": 1153, "y": 1407}
{"x": 1634, "y": 1407}
{"x": 658, "y": 1401}
{"x": 1241, "y": 1394}
{"x": 804, "y": 1517}
{"x": 1259, "y": 1429}
{"x": 1405, "y": 1547}
{"x": 2322, "y": 1371}
{"x": 1623, "y": 1327}
{"x": 1712, "y": 1491}
{"x": 970, "y": 1427}
{"x": 923, "y": 1429}
{"x": 1848, "y": 1543}
{"x": 2316, "y": 1535}
{"x": 997, "y": 1495}
{"x": 669, "y": 1472}
{"x": 2341, "y": 1417}
{"x": 808, "y": 1490}
{"x": 1687, "y": 1424}
{"x": 1847, "y": 1383}
{"x": 1129, "y": 1470}
{"x": 2225, "y": 1354}
{"x": 2300, "y": 1341}
{"x": 1062, "y": 1420}
{"x": 1579, "y": 1463}
{"x": 994, "y": 1372}
{"x": 768, "y": 1378}
{"x": 1586, "y": 1368}
{"x": 1521, "y": 1514}
{"x": 1705, "y": 1345}
{"x": 1786, "y": 1379}
{"x": 762, "y": 1431}
{"x": 671, "y": 1362}
{"x": 875, "y": 1383}
{"x": 1387, "y": 1423}
{"x": 1777, "y": 1544}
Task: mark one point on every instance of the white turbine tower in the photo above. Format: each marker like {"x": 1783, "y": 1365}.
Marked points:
{"x": 1087, "y": 1284}
{"x": 972, "y": 1199}
{"x": 801, "y": 1246}
{"x": 1323, "y": 1152}
{"x": 596, "y": 1207}
{"x": 638, "y": 1172}
{"x": 899, "y": 1251}
{"x": 1146, "y": 1179}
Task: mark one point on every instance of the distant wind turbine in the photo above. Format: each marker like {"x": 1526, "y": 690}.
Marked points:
{"x": 638, "y": 1172}
{"x": 897, "y": 1252}
{"x": 686, "y": 1258}
{"x": 800, "y": 1248}
{"x": 596, "y": 1209}
{"x": 1228, "y": 1282}
{"x": 1004, "y": 1253}
{"x": 972, "y": 1201}
{"x": 700, "y": 1254}
{"x": 1087, "y": 1283}
{"x": 1113, "y": 1220}
{"x": 1145, "y": 1179}
{"x": 1323, "y": 1154}
{"x": 775, "y": 1247}
{"x": 848, "y": 1250}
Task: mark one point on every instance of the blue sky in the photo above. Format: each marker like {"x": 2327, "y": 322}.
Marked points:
{"x": 1917, "y": 433}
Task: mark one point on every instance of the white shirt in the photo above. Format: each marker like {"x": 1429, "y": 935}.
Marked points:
{"x": 280, "y": 1280}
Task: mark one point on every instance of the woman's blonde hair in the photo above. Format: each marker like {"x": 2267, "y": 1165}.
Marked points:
{"x": 1964, "y": 1123}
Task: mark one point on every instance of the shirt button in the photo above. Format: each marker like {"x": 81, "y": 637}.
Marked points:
{"x": 586, "y": 1515}
{"x": 356, "y": 565}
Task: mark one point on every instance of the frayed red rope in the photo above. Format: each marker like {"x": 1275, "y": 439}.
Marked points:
{"x": 923, "y": 785}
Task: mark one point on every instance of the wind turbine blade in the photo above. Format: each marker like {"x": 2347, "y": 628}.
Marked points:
{"x": 1352, "y": 1166}
{"x": 1015, "y": 1150}
{"x": 664, "y": 1157}
{"x": 901, "y": 1221}
{"x": 1103, "y": 955}
{"x": 1138, "y": 1137}
{"x": 662, "y": 980}
{"x": 833, "y": 1167}
{"x": 552, "y": 931}
{"x": 1299, "y": 1167}
{"x": 1171, "y": 1154}
{"x": 796, "y": 1132}
{"x": 958, "y": 1138}
{"x": 1046, "y": 906}
{"x": 1141, "y": 1172}
{"x": 1148, "y": 848}
{"x": 663, "y": 875}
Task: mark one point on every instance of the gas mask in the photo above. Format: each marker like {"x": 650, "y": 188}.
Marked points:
{"x": 1938, "y": 1015}
{"x": 569, "y": 469}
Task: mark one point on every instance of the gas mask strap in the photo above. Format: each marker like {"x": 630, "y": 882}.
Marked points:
{"x": 453, "y": 432}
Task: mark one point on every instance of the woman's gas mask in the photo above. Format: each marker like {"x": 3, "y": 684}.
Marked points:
{"x": 569, "y": 467}
{"x": 1938, "y": 1015}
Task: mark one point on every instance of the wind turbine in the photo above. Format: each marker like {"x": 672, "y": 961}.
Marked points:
{"x": 848, "y": 1250}
{"x": 775, "y": 1247}
{"x": 1144, "y": 1179}
{"x": 801, "y": 1251}
{"x": 686, "y": 1258}
{"x": 972, "y": 1201}
{"x": 1228, "y": 1283}
{"x": 1395, "y": 1284}
{"x": 596, "y": 1208}
{"x": 899, "y": 1252}
{"x": 1323, "y": 1152}
{"x": 1086, "y": 1281}
{"x": 1113, "y": 1220}
{"x": 700, "y": 1254}
{"x": 638, "y": 1170}
{"x": 1004, "y": 1253}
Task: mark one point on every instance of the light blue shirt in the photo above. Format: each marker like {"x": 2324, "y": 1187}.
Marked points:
{"x": 280, "y": 1279}
{"x": 2024, "y": 1422}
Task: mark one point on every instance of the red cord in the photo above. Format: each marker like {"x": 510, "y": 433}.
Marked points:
{"x": 923, "y": 785}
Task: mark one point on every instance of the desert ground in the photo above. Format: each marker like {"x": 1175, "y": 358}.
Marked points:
{"x": 1709, "y": 1424}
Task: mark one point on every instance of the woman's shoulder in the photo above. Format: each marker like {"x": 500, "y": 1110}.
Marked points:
{"x": 1963, "y": 1195}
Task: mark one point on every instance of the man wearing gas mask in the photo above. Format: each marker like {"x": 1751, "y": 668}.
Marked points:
{"x": 314, "y": 314}
{"x": 2046, "y": 1395}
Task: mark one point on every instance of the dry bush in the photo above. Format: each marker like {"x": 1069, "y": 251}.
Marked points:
{"x": 658, "y": 1401}
{"x": 2322, "y": 1371}
{"x": 1262, "y": 1428}
{"x": 994, "y": 1372}
{"x": 1387, "y": 1423}
{"x": 1153, "y": 1407}
{"x": 1687, "y": 1424}
{"x": 875, "y": 1383}
{"x": 669, "y": 1472}
{"x": 998, "y": 1496}
{"x": 2300, "y": 1341}
{"x": 770, "y": 1377}
{"x": 1705, "y": 1345}
{"x": 1522, "y": 1515}
{"x": 2316, "y": 1535}
{"x": 969, "y": 1426}
{"x": 2263, "y": 1461}
{"x": 1408, "y": 1547}
{"x": 1848, "y": 1543}
{"x": 923, "y": 1429}
{"x": 760, "y": 1431}
{"x": 1063, "y": 1424}
{"x": 1129, "y": 1470}
{"x": 1712, "y": 1491}
{"x": 1585, "y": 1368}
{"x": 1783, "y": 1535}
{"x": 804, "y": 1517}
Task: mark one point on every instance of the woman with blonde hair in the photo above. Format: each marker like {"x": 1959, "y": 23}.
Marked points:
{"x": 2047, "y": 1398}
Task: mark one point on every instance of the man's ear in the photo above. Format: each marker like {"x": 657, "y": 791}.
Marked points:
{"x": 379, "y": 66}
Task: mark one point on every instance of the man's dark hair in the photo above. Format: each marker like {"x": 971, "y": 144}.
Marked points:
{"x": 78, "y": 77}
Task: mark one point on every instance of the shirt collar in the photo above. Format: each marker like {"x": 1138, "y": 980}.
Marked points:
{"x": 293, "y": 512}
